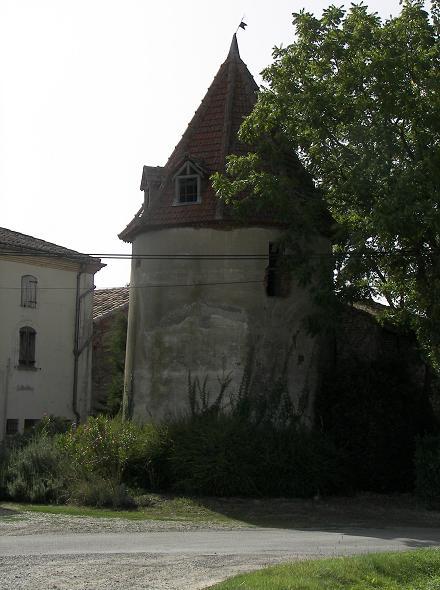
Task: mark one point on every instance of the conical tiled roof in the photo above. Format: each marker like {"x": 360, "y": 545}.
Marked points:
{"x": 209, "y": 138}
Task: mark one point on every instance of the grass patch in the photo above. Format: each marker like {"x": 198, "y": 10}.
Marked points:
{"x": 413, "y": 570}
{"x": 156, "y": 508}
{"x": 366, "y": 510}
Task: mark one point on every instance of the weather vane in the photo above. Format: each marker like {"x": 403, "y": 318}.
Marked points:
{"x": 242, "y": 24}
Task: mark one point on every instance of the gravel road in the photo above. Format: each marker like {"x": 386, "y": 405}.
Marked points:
{"x": 51, "y": 552}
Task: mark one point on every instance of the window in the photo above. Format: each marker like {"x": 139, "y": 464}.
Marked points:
{"x": 30, "y": 423}
{"x": 27, "y": 347}
{"x": 187, "y": 185}
{"x": 12, "y": 426}
{"x": 277, "y": 276}
{"x": 28, "y": 291}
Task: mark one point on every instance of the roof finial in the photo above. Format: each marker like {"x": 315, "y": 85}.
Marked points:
{"x": 233, "y": 50}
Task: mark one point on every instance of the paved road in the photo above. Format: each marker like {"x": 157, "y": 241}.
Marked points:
{"x": 223, "y": 542}
{"x": 173, "y": 560}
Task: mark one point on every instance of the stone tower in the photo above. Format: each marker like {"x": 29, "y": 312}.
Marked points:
{"x": 204, "y": 299}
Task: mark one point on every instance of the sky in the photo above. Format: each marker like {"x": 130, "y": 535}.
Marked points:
{"x": 91, "y": 90}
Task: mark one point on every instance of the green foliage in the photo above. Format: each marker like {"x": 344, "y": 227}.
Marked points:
{"x": 118, "y": 341}
{"x": 427, "y": 465}
{"x": 373, "y": 412}
{"x": 248, "y": 444}
{"x": 356, "y": 101}
{"x": 51, "y": 426}
{"x": 4, "y": 460}
{"x": 95, "y": 491}
{"x": 199, "y": 396}
{"x": 228, "y": 455}
{"x": 111, "y": 452}
{"x": 388, "y": 571}
{"x": 37, "y": 472}
{"x": 102, "y": 447}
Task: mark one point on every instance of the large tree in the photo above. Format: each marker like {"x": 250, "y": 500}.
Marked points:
{"x": 357, "y": 101}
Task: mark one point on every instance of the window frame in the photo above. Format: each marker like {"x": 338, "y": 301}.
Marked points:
{"x": 187, "y": 171}
{"x": 27, "y": 346}
{"x": 29, "y": 285}
{"x": 12, "y": 422}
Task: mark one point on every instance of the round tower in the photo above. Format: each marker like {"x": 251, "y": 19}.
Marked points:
{"x": 207, "y": 302}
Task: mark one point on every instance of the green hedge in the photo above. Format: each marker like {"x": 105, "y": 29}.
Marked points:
{"x": 427, "y": 467}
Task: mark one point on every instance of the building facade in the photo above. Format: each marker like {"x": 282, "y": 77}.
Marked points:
{"x": 46, "y": 299}
{"x": 205, "y": 303}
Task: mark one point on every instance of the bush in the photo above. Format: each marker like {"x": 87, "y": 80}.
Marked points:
{"x": 427, "y": 467}
{"x": 36, "y": 472}
{"x": 4, "y": 460}
{"x": 373, "y": 414}
{"x": 111, "y": 452}
{"x": 93, "y": 491}
{"x": 223, "y": 455}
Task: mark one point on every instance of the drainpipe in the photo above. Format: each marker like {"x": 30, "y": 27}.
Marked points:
{"x": 76, "y": 348}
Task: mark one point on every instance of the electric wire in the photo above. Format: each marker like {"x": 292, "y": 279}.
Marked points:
{"x": 150, "y": 286}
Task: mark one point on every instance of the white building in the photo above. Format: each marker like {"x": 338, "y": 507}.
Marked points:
{"x": 46, "y": 301}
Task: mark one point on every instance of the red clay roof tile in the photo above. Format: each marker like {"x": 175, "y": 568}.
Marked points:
{"x": 208, "y": 139}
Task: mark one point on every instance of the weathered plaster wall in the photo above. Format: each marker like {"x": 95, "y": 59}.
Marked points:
{"x": 30, "y": 393}
{"x": 210, "y": 318}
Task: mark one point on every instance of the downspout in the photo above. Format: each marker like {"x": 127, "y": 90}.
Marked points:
{"x": 77, "y": 349}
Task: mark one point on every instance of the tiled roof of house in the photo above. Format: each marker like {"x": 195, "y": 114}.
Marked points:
{"x": 209, "y": 138}
{"x": 106, "y": 301}
{"x": 13, "y": 242}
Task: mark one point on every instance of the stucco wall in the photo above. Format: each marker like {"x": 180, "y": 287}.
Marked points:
{"x": 30, "y": 393}
{"x": 211, "y": 318}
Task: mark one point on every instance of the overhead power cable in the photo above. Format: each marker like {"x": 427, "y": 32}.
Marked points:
{"x": 122, "y": 256}
{"x": 152, "y": 286}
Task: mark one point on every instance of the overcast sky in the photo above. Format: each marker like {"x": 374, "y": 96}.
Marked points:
{"x": 90, "y": 90}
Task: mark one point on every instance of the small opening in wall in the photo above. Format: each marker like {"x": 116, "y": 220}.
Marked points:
{"x": 12, "y": 426}
{"x": 273, "y": 282}
{"x": 30, "y": 423}
{"x": 277, "y": 279}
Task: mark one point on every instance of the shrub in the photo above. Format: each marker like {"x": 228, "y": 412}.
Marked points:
{"x": 4, "y": 460}
{"x": 427, "y": 467}
{"x": 102, "y": 446}
{"x": 373, "y": 414}
{"x": 226, "y": 456}
{"x": 52, "y": 425}
{"x": 95, "y": 491}
{"x": 212, "y": 455}
{"x": 36, "y": 472}
{"x": 111, "y": 452}
{"x": 149, "y": 467}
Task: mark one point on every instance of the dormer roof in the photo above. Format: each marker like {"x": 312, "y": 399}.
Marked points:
{"x": 209, "y": 138}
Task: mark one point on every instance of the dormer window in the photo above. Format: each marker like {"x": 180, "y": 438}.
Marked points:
{"x": 187, "y": 185}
